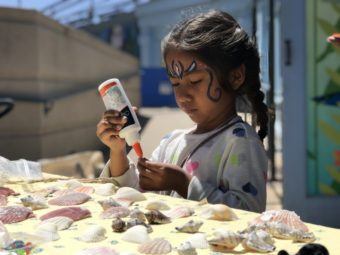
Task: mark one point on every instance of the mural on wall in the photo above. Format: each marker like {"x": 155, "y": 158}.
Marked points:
{"x": 324, "y": 99}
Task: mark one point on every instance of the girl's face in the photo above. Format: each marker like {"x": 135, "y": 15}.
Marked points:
{"x": 197, "y": 91}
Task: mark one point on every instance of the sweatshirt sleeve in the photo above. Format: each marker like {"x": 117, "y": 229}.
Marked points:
{"x": 241, "y": 178}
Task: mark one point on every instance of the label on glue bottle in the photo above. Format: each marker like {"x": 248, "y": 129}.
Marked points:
{"x": 114, "y": 98}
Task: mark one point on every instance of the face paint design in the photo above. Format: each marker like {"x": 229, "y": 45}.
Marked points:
{"x": 217, "y": 90}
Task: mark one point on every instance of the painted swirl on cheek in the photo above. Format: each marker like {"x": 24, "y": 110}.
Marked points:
{"x": 218, "y": 91}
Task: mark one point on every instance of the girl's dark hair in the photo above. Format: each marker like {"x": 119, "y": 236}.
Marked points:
{"x": 219, "y": 41}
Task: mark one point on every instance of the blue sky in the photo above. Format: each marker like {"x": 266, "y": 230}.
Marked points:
{"x": 27, "y": 4}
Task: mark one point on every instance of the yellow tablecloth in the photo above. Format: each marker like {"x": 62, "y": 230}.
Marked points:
{"x": 68, "y": 244}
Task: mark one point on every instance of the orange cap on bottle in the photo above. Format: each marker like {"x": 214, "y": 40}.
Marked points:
{"x": 138, "y": 150}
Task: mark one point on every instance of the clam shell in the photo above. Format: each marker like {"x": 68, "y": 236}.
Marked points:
{"x": 72, "y": 184}
{"x": 48, "y": 232}
{"x": 135, "y": 222}
{"x": 3, "y": 200}
{"x": 61, "y": 222}
{"x": 35, "y": 202}
{"x": 106, "y": 189}
{"x": 191, "y": 226}
{"x": 115, "y": 212}
{"x": 137, "y": 214}
{"x": 257, "y": 242}
{"x": 156, "y": 217}
{"x": 97, "y": 251}
{"x": 130, "y": 194}
{"x": 180, "y": 212}
{"x": 186, "y": 249}
{"x": 155, "y": 246}
{"x": 198, "y": 241}
{"x": 224, "y": 240}
{"x": 62, "y": 192}
{"x": 157, "y": 205}
{"x": 5, "y": 238}
{"x": 136, "y": 234}
{"x": 93, "y": 234}
{"x": 118, "y": 225}
{"x": 218, "y": 212}
{"x": 84, "y": 189}
{"x": 107, "y": 203}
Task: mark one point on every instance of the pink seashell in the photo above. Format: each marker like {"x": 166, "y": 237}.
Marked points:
{"x": 74, "y": 198}
{"x": 155, "y": 246}
{"x": 12, "y": 214}
{"x": 8, "y": 192}
{"x": 62, "y": 192}
{"x": 74, "y": 213}
{"x": 115, "y": 212}
{"x": 84, "y": 189}
{"x": 97, "y": 251}
{"x": 3, "y": 200}
{"x": 180, "y": 212}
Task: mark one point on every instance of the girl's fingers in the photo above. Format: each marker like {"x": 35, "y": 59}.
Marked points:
{"x": 116, "y": 120}
{"x": 146, "y": 174}
{"x": 108, "y": 132}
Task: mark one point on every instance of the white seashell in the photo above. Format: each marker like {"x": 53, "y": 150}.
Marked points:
{"x": 180, "y": 212}
{"x": 224, "y": 240}
{"x": 255, "y": 242}
{"x": 106, "y": 189}
{"x": 155, "y": 246}
{"x": 303, "y": 237}
{"x": 157, "y": 205}
{"x": 191, "y": 226}
{"x": 47, "y": 231}
{"x": 218, "y": 212}
{"x": 93, "y": 234}
{"x": 5, "y": 238}
{"x": 72, "y": 184}
{"x": 136, "y": 234}
{"x": 35, "y": 202}
{"x": 97, "y": 251}
{"x": 186, "y": 249}
{"x": 129, "y": 194}
{"x": 61, "y": 222}
{"x": 198, "y": 241}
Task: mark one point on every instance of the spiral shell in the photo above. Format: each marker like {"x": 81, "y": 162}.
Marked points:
{"x": 107, "y": 203}
{"x": 224, "y": 240}
{"x": 190, "y": 227}
{"x": 259, "y": 242}
{"x": 156, "y": 217}
{"x": 137, "y": 214}
{"x": 135, "y": 222}
{"x": 118, "y": 225}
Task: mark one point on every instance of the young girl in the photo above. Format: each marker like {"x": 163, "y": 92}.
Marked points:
{"x": 210, "y": 61}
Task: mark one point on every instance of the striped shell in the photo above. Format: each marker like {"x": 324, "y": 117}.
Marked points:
{"x": 198, "y": 241}
{"x": 155, "y": 246}
{"x": 136, "y": 234}
{"x": 12, "y": 214}
{"x": 74, "y": 213}
{"x": 48, "y": 232}
{"x": 180, "y": 212}
{"x": 35, "y": 202}
{"x": 156, "y": 217}
{"x": 74, "y": 198}
{"x": 157, "y": 205}
{"x": 84, "y": 189}
{"x": 115, "y": 212}
{"x": 191, "y": 226}
{"x": 62, "y": 192}
{"x": 3, "y": 200}
{"x": 93, "y": 234}
{"x": 186, "y": 249}
{"x": 118, "y": 225}
{"x": 131, "y": 194}
{"x": 61, "y": 222}
{"x": 218, "y": 212}
{"x": 107, "y": 203}
{"x": 97, "y": 251}
{"x": 106, "y": 189}
{"x": 224, "y": 240}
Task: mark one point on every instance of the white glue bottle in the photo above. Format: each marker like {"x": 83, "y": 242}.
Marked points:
{"x": 114, "y": 98}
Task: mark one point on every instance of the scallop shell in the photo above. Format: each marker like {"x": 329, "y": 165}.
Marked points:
{"x": 118, "y": 225}
{"x": 191, "y": 226}
{"x": 62, "y": 192}
{"x": 3, "y": 200}
{"x": 106, "y": 189}
{"x": 72, "y": 184}
{"x": 107, "y": 203}
{"x": 35, "y": 202}
{"x": 180, "y": 212}
{"x": 61, "y": 222}
{"x": 186, "y": 249}
{"x": 5, "y": 238}
{"x": 137, "y": 214}
{"x": 198, "y": 241}
{"x": 93, "y": 234}
{"x": 157, "y": 205}
{"x": 224, "y": 240}
{"x": 155, "y": 246}
{"x": 130, "y": 194}
{"x": 84, "y": 189}
{"x": 48, "y": 232}
{"x": 97, "y": 251}
{"x": 218, "y": 212}
{"x": 256, "y": 241}
{"x": 135, "y": 222}
{"x": 136, "y": 234}
{"x": 115, "y": 212}
{"x": 156, "y": 217}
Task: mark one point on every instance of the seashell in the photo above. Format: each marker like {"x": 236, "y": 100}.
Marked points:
{"x": 12, "y": 214}
{"x": 3, "y": 200}
{"x": 97, "y": 251}
{"x": 218, "y": 212}
{"x": 35, "y": 202}
{"x": 190, "y": 227}
{"x": 256, "y": 241}
{"x": 106, "y": 189}
{"x": 72, "y": 184}
{"x": 118, "y": 225}
{"x": 48, "y": 232}
{"x": 84, "y": 189}
{"x": 107, "y": 203}
{"x": 135, "y": 222}
{"x": 61, "y": 222}
{"x": 5, "y": 239}
{"x": 130, "y": 194}
{"x": 156, "y": 217}
{"x": 137, "y": 214}
{"x": 74, "y": 198}
{"x": 125, "y": 202}
{"x": 136, "y": 234}
{"x": 155, "y": 246}
{"x": 115, "y": 212}
{"x": 157, "y": 205}
{"x": 180, "y": 212}
{"x": 93, "y": 234}
{"x": 74, "y": 213}
{"x": 62, "y": 192}
{"x": 198, "y": 241}
{"x": 224, "y": 240}
{"x": 303, "y": 237}
{"x": 186, "y": 249}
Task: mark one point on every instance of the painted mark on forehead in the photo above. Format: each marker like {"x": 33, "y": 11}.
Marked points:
{"x": 177, "y": 69}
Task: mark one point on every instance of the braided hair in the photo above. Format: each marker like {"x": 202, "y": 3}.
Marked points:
{"x": 219, "y": 41}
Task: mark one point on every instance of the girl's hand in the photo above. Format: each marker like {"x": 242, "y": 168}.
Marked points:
{"x": 108, "y": 130}
{"x": 161, "y": 176}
